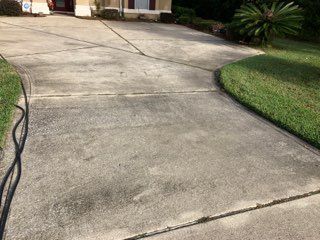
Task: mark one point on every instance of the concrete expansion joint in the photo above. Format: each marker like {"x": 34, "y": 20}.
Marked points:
{"x": 105, "y": 46}
{"x": 50, "y": 52}
{"x": 38, "y": 96}
{"x": 180, "y": 63}
{"x": 70, "y": 38}
{"x": 211, "y": 218}
{"x": 123, "y": 38}
{"x": 156, "y": 58}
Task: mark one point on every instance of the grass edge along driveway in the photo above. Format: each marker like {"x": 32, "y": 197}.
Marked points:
{"x": 9, "y": 93}
{"x": 283, "y": 86}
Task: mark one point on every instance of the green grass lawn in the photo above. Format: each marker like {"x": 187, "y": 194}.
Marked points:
{"x": 283, "y": 86}
{"x": 9, "y": 94}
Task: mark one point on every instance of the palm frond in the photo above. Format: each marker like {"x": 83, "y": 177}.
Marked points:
{"x": 264, "y": 22}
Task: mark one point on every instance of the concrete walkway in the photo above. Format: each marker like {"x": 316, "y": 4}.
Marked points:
{"x": 129, "y": 134}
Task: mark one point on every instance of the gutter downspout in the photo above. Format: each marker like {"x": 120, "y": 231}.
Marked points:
{"x": 121, "y": 8}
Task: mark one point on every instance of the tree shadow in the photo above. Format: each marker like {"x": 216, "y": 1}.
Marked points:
{"x": 284, "y": 70}
{"x": 297, "y": 46}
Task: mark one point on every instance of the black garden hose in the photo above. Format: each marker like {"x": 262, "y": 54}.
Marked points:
{"x": 13, "y": 173}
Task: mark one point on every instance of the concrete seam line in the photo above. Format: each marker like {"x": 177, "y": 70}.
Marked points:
{"x": 181, "y": 63}
{"x": 123, "y": 38}
{"x": 49, "y": 52}
{"x": 156, "y": 58}
{"x": 224, "y": 215}
{"x": 216, "y": 78}
{"x": 71, "y": 38}
{"x": 105, "y": 46}
{"x": 123, "y": 94}
{"x": 2, "y": 57}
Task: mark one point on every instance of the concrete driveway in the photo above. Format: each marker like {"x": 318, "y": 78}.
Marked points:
{"x": 129, "y": 135}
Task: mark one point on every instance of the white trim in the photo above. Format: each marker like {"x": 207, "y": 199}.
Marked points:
{"x": 145, "y": 11}
{"x": 40, "y": 8}
{"x": 82, "y": 10}
{"x": 112, "y": 8}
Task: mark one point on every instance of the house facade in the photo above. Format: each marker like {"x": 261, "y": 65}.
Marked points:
{"x": 128, "y": 8}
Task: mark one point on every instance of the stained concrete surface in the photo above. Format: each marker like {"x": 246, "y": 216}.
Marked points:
{"x": 74, "y": 72}
{"x": 123, "y": 143}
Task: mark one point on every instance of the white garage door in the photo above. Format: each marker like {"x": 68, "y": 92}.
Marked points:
{"x": 141, "y": 4}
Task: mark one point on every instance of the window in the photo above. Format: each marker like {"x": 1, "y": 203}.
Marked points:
{"x": 142, "y": 4}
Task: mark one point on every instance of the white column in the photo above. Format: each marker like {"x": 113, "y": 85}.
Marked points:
{"x": 39, "y": 6}
{"x": 82, "y": 8}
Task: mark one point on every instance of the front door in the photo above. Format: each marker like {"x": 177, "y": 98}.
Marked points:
{"x": 63, "y": 5}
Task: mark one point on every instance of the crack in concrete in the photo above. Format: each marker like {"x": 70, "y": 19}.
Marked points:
{"x": 211, "y": 218}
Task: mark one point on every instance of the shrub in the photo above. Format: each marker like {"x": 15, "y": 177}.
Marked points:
{"x": 182, "y": 11}
{"x": 184, "y": 15}
{"x": 219, "y": 28}
{"x": 222, "y": 10}
{"x": 265, "y": 23}
{"x": 184, "y": 19}
{"x": 311, "y": 12}
{"x": 110, "y": 14}
{"x": 311, "y": 23}
{"x": 232, "y": 33}
{"x": 167, "y": 18}
{"x": 10, "y": 8}
{"x": 204, "y": 25}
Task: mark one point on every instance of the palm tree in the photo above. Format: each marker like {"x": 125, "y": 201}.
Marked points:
{"x": 265, "y": 22}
